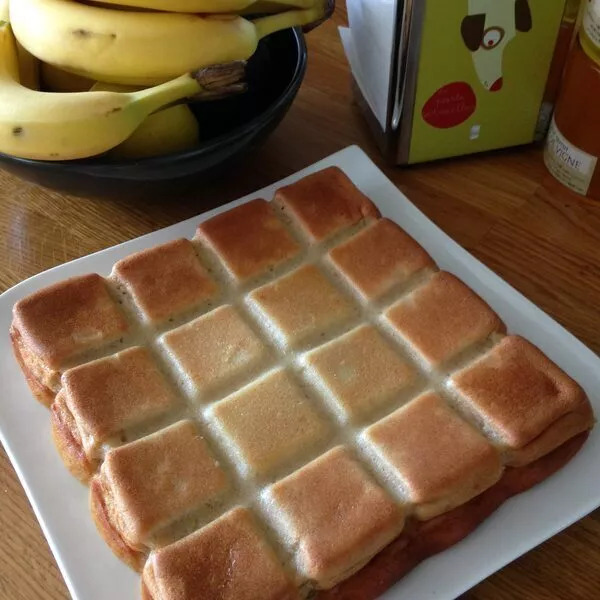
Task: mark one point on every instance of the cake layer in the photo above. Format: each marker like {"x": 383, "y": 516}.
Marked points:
{"x": 324, "y": 204}
{"x": 153, "y": 482}
{"x": 359, "y": 373}
{"x": 436, "y": 460}
{"x": 54, "y": 326}
{"x": 380, "y": 258}
{"x": 166, "y": 280}
{"x": 301, "y": 307}
{"x": 333, "y": 516}
{"x": 442, "y": 318}
{"x": 528, "y": 403}
{"x": 227, "y": 235}
{"x": 214, "y": 352}
{"x": 269, "y": 424}
{"x": 112, "y": 395}
{"x": 226, "y": 560}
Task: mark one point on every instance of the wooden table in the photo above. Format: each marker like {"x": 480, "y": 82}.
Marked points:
{"x": 503, "y": 207}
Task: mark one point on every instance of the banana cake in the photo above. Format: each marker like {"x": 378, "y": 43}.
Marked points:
{"x": 296, "y": 402}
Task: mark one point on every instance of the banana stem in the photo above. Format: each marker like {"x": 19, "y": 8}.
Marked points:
{"x": 168, "y": 93}
{"x": 293, "y": 18}
{"x": 218, "y": 81}
{"x": 211, "y": 82}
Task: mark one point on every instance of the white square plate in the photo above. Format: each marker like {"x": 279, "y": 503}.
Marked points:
{"x": 60, "y": 502}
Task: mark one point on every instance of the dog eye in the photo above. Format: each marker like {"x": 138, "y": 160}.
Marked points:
{"x": 492, "y": 37}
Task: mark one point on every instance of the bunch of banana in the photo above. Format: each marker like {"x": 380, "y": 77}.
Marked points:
{"x": 170, "y": 50}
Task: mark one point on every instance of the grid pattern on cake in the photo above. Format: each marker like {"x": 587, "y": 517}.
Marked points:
{"x": 297, "y": 376}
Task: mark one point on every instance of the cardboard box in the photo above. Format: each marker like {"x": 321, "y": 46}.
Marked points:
{"x": 441, "y": 78}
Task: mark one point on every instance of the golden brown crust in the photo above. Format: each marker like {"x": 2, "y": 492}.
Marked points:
{"x": 134, "y": 558}
{"x": 437, "y": 459}
{"x": 228, "y": 559}
{"x": 114, "y": 394}
{"x": 228, "y": 235}
{"x": 424, "y": 539}
{"x": 559, "y": 432}
{"x": 160, "y": 479}
{"x": 523, "y": 397}
{"x": 420, "y": 540}
{"x": 379, "y": 258}
{"x": 68, "y": 441}
{"x": 166, "y": 280}
{"x": 43, "y": 393}
{"x": 325, "y": 203}
{"x": 61, "y": 321}
{"x": 334, "y": 516}
{"x": 442, "y": 318}
{"x": 302, "y": 305}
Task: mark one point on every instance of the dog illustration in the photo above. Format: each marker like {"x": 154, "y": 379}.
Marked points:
{"x": 486, "y": 31}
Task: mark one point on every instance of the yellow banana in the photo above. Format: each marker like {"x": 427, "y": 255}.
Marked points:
{"x": 27, "y": 64}
{"x": 170, "y": 130}
{"x": 206, "y": 6}
{"x": 167, "y": 131}
{"x": 41, "y": 125}
{"x": 141, "y": 48}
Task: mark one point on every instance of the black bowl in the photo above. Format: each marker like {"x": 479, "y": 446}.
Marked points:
{"x": 229, "y": 128}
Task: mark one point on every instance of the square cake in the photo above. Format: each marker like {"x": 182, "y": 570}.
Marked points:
{"x": 297, "y": 403}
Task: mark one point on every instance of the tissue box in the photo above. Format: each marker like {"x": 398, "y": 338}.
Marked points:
{"x": 439, "y": 78}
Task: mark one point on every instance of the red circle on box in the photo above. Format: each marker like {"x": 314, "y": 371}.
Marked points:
{"x": 450, "y": 106}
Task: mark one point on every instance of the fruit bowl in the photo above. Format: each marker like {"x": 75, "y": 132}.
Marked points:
{"x": 229, "y": 128}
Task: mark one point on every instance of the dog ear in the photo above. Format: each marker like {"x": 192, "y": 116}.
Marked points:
{"x": 523, "y": 19}
{"x": 472, "y": 28}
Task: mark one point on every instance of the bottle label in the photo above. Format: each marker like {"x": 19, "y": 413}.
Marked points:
{"x": 570, "y": 165}
{"x": 591, "y": 21}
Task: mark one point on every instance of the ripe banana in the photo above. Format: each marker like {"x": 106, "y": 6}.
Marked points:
{"x": 42, "y": 125}
{"x": 167, "y": 131}
{"x": 141, "y": 48}
{"x": 205, "y": 6}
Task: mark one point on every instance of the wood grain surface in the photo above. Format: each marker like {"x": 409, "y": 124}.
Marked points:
{"x": 503, "y": 207}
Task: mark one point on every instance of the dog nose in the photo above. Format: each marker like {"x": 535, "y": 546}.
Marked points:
{"x": 497, "y": 85}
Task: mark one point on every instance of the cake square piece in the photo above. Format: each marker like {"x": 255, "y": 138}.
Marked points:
{"x": 269, "y": 423}
{"x": 228, "y": 559}
{"x": 159, "y": 479}
{"x": 359, "y": 372}
{"x": 250, "y": 239}
{"x": 325, "y": 203}
{"x": 442, "y": 318}
{"x": 109, "y": 396}
{"x": 166, "y": 280}
{"x": 302, "y": 307}
{"x": 64, "y": 320}
{"x": 214, "y": 352}
{"x": 379, "y": 258}
{"x": 527, "y": 401}
{"x": 334, "y": 516}
{"x": 437, "y": 460}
